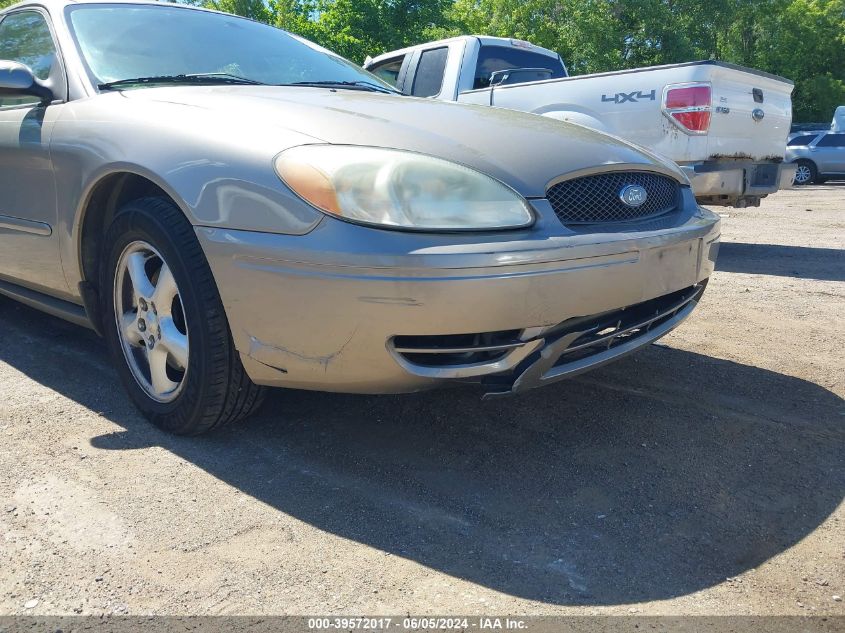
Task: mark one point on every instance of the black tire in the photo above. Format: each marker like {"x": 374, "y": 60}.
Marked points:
{"x": 808, "y": 167}
{"x": 216, "y": 389}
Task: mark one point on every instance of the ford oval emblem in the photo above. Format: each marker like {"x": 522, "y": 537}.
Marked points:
{"x": 633, "y": 195}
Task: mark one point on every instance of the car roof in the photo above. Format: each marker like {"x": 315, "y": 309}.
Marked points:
{"x": 59, "y": 4}
{"x": 486, "y": 40}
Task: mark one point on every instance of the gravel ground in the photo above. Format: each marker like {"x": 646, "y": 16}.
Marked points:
{"x": 704, "y": 475}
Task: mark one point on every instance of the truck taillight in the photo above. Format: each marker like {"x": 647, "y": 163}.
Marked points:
{"x": 688, "y": 106}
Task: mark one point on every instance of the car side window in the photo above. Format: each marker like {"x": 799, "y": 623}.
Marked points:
{"x": 25, "y": 38}
{"x": 832, "y": 140}
{"x": 430, "y": 70}
{"x": 388, "y": 70}
{"x": 801, "y": 141}
{"x": 492, "y": 59}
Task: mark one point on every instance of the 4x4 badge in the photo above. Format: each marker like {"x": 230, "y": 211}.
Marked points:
{"x": 632, "y": 97}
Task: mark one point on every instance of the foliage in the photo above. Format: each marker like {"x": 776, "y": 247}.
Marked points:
{"x": 255, "y": 9}
{"x": 357, "y": 28}
{"x": 803, "y": 40}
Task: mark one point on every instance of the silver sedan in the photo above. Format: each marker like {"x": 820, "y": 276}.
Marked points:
{"x": 233, "y": 207}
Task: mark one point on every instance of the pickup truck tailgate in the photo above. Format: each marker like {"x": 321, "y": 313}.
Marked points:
{"x": 751, "y": 117}
{"x": 630, "y": 104}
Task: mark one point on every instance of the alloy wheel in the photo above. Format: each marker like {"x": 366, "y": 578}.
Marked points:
{"x": 803, "y": 175}
{"x": 151, "y": 322}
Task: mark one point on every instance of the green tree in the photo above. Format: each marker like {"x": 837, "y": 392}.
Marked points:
{"x": 254, "y": 9}
{"x": 803, "y": 40}
{"x": 357, "y": 28}
{"x": 587, "y": 33}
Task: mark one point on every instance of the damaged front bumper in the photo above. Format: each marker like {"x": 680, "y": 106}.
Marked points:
{"x": 352, "y": 309}
{"x": 581, "y": 344}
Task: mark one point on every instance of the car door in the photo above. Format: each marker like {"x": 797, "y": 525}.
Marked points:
{"x": 29, "y": 245}
{"x": 829, "y": 153}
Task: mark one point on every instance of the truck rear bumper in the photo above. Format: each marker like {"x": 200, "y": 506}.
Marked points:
{"x": 738, "y": 184}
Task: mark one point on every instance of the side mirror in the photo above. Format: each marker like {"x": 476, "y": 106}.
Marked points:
{"x": 18, "y": 80}
{"x": 519, "y": 75}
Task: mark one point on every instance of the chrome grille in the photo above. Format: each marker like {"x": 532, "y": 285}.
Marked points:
{"x": 596, "y": 199}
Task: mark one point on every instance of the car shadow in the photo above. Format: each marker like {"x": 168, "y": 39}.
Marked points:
{"x": 821, "y": 186}
{"x": 826, "y": 264}
{"x": 655, "y": 477}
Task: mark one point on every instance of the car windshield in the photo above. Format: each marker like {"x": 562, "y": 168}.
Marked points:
{"x": 125, "y": 41}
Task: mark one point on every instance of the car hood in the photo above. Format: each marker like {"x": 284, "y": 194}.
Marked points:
{"x": 525, "y": 151}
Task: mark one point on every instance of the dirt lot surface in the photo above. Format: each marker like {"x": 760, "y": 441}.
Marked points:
{"x": 704, "y": 475}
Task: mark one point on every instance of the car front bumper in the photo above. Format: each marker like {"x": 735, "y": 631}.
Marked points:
{"x": 352, "y": 309}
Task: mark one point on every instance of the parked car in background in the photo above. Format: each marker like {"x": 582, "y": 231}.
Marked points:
{"x": 818, "y": 156}
{"x": 725, "y": 125}
{"x": 817, "y": 150}
{"x": 233, "y": 207}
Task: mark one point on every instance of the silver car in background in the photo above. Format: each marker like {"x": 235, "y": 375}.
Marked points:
{"x": 232, "y": 207}
{"x": 819, "y": 155}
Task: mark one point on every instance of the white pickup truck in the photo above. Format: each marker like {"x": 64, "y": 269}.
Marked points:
{"x": 724, "y": 124}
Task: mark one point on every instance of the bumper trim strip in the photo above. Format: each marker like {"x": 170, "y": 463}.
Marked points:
{"x": 503, "y": 347}
{"x": 546, "y": 368}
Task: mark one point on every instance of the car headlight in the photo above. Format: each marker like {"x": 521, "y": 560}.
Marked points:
{"x": 400, "y": 189}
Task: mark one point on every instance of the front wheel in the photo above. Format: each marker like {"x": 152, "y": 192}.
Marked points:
{"x": 165, "y": 324}
{"x": 806, "y": 173}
